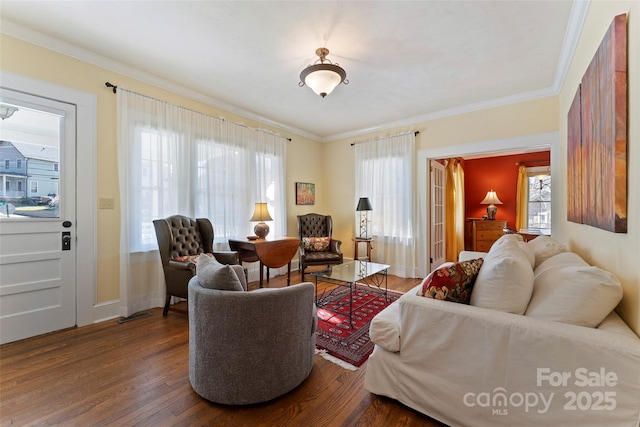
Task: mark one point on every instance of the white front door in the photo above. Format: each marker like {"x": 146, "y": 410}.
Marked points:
{"x": 437, "y": 217}
{"x": 37, "y": 216}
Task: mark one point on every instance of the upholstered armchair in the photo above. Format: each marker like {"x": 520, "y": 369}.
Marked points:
{"x": 316, "y": 245}
{"x": 249, "y": 347}
{"x": 180, "y": 239}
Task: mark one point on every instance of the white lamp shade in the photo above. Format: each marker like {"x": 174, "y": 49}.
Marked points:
{"x": 491, "y": 199}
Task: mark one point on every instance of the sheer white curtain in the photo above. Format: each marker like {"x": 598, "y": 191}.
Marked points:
{"x": 385, "y": 173}
{"x": 173, "y": 160}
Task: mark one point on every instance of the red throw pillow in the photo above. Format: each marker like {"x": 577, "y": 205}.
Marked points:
{"x": 452, "y": 283}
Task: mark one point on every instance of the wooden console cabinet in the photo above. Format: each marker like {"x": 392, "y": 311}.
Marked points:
{"x": 480, "y": 234}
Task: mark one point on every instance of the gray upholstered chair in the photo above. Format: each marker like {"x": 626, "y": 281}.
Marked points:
{"x": 316, "y": 225}
{"x": 181, "y": 236}
{"x": 250, "y": 347}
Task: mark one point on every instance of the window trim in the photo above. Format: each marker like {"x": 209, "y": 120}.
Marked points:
{"x": 535, "y": 172}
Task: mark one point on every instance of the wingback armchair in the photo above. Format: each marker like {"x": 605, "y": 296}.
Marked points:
{"x": 316, "y": 245}
{"x": 180, "y": 238}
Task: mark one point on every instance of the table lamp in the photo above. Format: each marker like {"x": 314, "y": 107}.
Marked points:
{"x": 261, "y": 214}
{"x": 492, "y": 200}
{"x": 364, "y": 205}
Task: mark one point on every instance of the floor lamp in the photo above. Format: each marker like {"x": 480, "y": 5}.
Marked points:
{"x": 364, "y": 206}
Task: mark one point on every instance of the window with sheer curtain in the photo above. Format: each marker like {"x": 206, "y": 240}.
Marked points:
{"x": 173, "y": 160}
{"x": 384, "y": 172}
{"x": 183, "y": 162}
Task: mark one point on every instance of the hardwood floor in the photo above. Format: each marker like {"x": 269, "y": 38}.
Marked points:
{"x": 136, "y": 373}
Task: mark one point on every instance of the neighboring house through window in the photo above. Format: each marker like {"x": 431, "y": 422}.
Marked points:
{"x": 539, "y": 201}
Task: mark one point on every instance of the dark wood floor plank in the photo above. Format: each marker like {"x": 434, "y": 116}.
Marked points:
{"x": 136, "y": 373}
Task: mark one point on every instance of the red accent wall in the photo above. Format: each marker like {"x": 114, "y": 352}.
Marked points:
{"x": 501, "y": 175}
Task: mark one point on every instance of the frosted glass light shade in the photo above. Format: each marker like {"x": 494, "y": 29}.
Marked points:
{"x": 323, "y": 81}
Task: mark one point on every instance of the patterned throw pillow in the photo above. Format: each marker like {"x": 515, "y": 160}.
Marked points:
{"x": 316, "y": 244}
{"x": 190, "y": 258}
{"x": 453, "y": 283}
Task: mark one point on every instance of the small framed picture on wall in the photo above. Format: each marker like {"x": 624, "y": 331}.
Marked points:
{"x": 305, "y": 193}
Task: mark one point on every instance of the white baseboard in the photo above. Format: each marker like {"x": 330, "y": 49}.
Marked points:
{"x": 105, "y": 311}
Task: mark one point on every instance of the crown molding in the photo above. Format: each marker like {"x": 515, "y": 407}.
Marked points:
{"x": 34, "y": 37}
{"x": 478, "y": 106}
{"x": 572, "y": 35}
{"x": 577, "y": 17}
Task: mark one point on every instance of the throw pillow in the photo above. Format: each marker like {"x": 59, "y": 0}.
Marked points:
{"x": 187, "y": 258}
{"x": 505, "y": 281}
{"x": 563, "y": 259}
{"x": 316, "y": 244}
{"x": 506, "y": 239}
{"x": 190, "y": 258}
{"x": 453, "y": 283}
{"x": 517, "y": 239}
{"x": 524, "y": 246}
{"x": 544, "y": 247}
{"x": 213, "y": 275}
{"x": 576, "y": 294}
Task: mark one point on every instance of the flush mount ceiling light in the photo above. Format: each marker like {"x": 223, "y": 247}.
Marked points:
{"x": 323, "y": 76}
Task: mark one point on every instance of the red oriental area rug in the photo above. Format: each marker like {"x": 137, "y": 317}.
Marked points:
{"x": 335, "y": 337}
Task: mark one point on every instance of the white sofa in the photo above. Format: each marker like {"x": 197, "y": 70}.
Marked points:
{"x": 469, "y": 365}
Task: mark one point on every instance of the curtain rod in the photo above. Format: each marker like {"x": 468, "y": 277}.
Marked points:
{"x": 114, "y": 87}
{"x": 415, "y": 133}
{"x": 533, "y": 161}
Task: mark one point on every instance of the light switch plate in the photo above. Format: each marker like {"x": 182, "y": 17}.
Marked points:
{"x": 105, "y": 203}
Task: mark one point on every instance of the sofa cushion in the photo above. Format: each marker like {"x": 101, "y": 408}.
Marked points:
{"x": 505, "y": 281}
{"x": 544, "y": 247}
{"x": 566, "y": 289}
{"x": 562, "y": 259}
{"x": 518, "y": 240}
{"x": 451, "y": 283}
{"x": 213, "y": 275}
{"x": 528, "y": 252}
{"x": 316, "y": 244}
{"x": 508, "y": 238}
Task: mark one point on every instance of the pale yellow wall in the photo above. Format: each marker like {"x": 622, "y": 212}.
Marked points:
{"x": 526, "y": 118}
{"x": 305, "y": 163}
{"x": 33, "y": 61}
{"x": 330, "y": 165}
{"x": 619, "y": 253}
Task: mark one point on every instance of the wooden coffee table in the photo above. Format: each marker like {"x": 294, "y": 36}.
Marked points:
{"x": 349, "y": 274}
